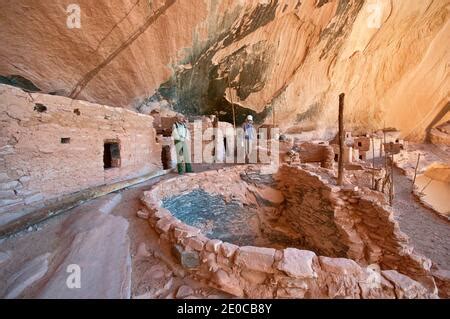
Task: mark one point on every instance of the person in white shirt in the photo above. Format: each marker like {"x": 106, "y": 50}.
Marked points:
{"x": 181, "y": 137}
{"x": 249, "y": 136}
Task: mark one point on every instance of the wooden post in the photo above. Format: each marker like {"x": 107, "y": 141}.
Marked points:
{"x": 341, "y": 140}
{"x": 231, "y": 100}
{"x": 415, "y": 173}
{"x": 381, "y": 147}
{"x": 384, "y": 146}
{"x": 391, "y": 191}
{"x": 373, "y": 163}
{"x": 273, "y": 115}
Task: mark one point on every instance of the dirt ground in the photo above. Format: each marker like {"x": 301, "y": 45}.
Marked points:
{"x": 428, "y": 231}
{"x": 120, "y": 256}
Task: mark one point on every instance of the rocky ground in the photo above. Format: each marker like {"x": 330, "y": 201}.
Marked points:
{"x": 428, "y": 233}
{"x": 120, "y": 255}
{"x": 429, "y": 155}
{"x": 432, "y": 184}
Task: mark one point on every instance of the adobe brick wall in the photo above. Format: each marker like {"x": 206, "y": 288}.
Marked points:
{"x": 316, "y": 153}
{"x": 35, "y": 165}
{"x": 365, "y": 143}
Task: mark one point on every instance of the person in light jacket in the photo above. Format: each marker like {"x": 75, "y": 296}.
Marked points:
{"x": 182, "y": 139}
{"x": 249, "y": 136}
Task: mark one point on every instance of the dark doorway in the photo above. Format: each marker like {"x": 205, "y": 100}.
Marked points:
{"x": 111, "y": 155}
{"x": 225, "y": 144}
{"x": 166, "y": 157}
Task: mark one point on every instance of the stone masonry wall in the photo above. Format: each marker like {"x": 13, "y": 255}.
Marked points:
{"x": 312, "y": 152}
{"x": 36, "y": 165}
{"x": 258, "y": 272}
{"x": 310, "y": 212}
{"x": 348, "y": 222}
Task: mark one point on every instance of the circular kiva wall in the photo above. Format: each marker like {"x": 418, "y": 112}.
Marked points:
{"x": 347, "y": 243}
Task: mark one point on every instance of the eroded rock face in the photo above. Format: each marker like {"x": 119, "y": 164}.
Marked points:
{"x": 290, "y": 56}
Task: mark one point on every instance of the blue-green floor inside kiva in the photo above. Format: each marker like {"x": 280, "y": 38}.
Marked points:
{"x": 231, "y": 222}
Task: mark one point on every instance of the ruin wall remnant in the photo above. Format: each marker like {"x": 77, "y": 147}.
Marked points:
{"x": 52, "y": 146}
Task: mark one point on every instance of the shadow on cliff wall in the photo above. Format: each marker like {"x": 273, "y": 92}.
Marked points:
{"x": 445, "y": 110}
{"x": 20, "y": 82}
{"x": 201, "y": 87}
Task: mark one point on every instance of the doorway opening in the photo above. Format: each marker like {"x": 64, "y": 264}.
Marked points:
{"x": 166, "y": 157}
{"x": 111, "y": 154}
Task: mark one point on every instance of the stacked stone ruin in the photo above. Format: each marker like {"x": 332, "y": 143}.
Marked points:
{"x": 369, "y": 246}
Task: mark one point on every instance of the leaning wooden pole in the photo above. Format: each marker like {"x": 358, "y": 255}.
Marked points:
{"x": 391, "y": 191}
{"x": 415, "y": 172}
{"x": 341, "y": 140}
{"x": 384, "y": 146}
{"x": 273, "y": 115}
{"x": 231, "y": 100}
{"x": 373, "y": 162}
